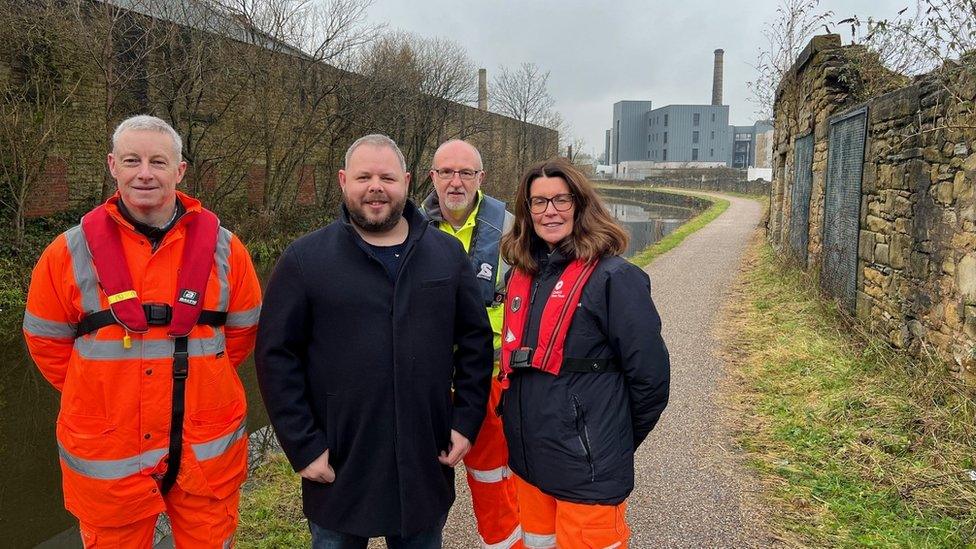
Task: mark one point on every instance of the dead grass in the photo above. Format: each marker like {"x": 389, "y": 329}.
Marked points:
{"x": 855, "y": 443}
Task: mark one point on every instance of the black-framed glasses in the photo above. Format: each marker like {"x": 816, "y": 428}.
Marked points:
{"x": 562, "y": 203}
{"x": 447, "y": 175}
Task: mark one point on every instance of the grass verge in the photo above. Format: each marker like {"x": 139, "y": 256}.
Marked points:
{"x": 645, "y": 256}
{"x": 858, "y": 445}
{"x": 271, "y": 508}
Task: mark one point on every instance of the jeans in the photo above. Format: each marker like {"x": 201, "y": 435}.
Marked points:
{"x": 431, "y": 538}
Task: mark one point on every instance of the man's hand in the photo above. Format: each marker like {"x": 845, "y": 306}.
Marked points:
{"x": 319, "y": 470}
{"x": 459, "y": 447}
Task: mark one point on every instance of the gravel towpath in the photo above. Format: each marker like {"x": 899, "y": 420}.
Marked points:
{"x": 691, "y": 489}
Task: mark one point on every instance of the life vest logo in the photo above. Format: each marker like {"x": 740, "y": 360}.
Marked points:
{"x": 509, "y": 337}
{"x": 499, "y": 299}
{"x": 189, "y": 297}
{"x": 485, "y": 272}
{"x": 516, "y": 303}
{"x": 557, "y": 292}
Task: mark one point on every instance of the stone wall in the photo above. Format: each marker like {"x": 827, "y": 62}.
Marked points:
{"x": 916, "y": 247}
{"x": 646, "y": 194}
{"x": 691, "y": 182}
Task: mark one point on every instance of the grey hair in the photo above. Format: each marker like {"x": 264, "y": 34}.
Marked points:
{"x": 474, "y": 149}
{"x": 376, "y": 140}
{"x": 148, "y": 123}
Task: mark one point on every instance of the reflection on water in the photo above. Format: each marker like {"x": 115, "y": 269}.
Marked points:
{"x": 31, "y": 506}
{"x": 647, "y": 223}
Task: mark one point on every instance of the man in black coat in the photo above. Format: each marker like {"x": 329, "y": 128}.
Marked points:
{"x": 367, "y": 325}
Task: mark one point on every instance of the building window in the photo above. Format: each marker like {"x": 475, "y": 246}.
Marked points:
{"x": 711, "y": 153}
{"x": 694, "y": 136}
{"x": 665, "y": 123}
{"x": 713, "y": 135}
{"x": 696, "y": 119}
{"x": 665, "y": 133}
{"x": 664, "y": 153}
{"x": 648, "y": 154}
{"x": 694, "y": 154}
{"x": 648, "y": 138}
{"x": 713, "y": 117}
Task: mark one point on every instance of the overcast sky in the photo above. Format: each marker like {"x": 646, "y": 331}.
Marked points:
{"x": 599, "y": 53}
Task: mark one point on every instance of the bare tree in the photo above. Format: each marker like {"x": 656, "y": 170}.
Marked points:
{"x": 416, "y": 88}
{"x": 523, "y": 94}
{"x": 295, "y": 77}
{"x": 795, "y": 22}
{"x": 936, "y": 38}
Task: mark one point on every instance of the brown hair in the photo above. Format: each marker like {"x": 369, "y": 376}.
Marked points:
{"x": 595, "y": 233}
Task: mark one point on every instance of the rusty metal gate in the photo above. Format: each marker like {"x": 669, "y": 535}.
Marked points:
{"x": 800, "y": 198}
{"x": 842, "y": 205}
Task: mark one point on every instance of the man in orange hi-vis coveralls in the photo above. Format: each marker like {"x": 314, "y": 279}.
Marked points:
{"x": 139, "y": 316}
{"x": 459, "y": 208}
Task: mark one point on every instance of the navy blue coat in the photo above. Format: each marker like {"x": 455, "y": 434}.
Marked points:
{"x": 350, "y": 361}
{"x": 573, "y": 436}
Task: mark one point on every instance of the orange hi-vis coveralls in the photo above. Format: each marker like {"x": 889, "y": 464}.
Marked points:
{"x": 117, "y": 386}
{"x": 493, "y": 490}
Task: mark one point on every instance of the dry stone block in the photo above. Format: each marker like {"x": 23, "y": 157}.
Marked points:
{"x": 966, "y": 278}
{"x": 943, "y": 193}
{"x": 962, "y": 186}
{"x": 881, "y": 253}
{"x": 900, "y": 246}
{"x": 970, "y": 322}
{"x": 876, "y": 224}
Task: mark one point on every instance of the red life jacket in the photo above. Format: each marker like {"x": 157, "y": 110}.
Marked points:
{"x": 557, "y": 316}
{"x": 105, "y": 245}
{"x": 108, "y": 257}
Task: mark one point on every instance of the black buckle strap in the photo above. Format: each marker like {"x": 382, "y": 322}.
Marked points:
{"x": 181, "y": 364}
{"x": 589, "y": 365}
{"x": 521, "y": 358}
{"x": 157, "y": 314}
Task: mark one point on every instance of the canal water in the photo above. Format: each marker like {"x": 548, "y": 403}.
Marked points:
{"x": 31, "y": 507}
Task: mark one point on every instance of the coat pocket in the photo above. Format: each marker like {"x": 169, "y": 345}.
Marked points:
{"x": 583, "y": 434}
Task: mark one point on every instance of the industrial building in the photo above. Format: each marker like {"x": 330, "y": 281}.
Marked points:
{"x": 680, "y": 136}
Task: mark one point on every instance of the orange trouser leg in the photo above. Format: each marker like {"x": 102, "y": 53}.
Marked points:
{"x": 551, "y": 523}
{"x": 582, "y": 526}
{"x": 138, "y": 535}
{"x": 537, "y": 512}
{"x": 201, "y": 521}
{"x": 493, "y": 492}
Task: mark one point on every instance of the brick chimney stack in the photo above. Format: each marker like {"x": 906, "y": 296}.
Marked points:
{"x": 717, "y": 77}
{"x": 483, "y": 89}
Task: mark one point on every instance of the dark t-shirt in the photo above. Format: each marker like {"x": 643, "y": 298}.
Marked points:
{"x": 390, "y": 257}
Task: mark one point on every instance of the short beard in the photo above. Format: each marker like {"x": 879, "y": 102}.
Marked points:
{"x": 458, "y": 208}
{"x": 381, "y": 226}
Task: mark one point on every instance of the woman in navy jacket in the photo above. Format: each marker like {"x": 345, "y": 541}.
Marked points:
{"x": 587, "y": 369}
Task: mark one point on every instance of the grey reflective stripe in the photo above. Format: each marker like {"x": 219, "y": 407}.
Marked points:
{"x": 92, "y": 349}
{"x": 38, "y": 326}
{"x": 539, "y": 541}
{"x": 492, "y": 475}
{"x": 217, "y": 446}
{"x": 111, "y": 469}
{"x": 222, "y": 261}
{"x": 246, "y": 318}
{"x": 506, "y": 543}
{"x": 81, "y": 265}
{"x": 498, "y": 355}
{"x": 614, "y": 545}
{"x": 229, "y": 542}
